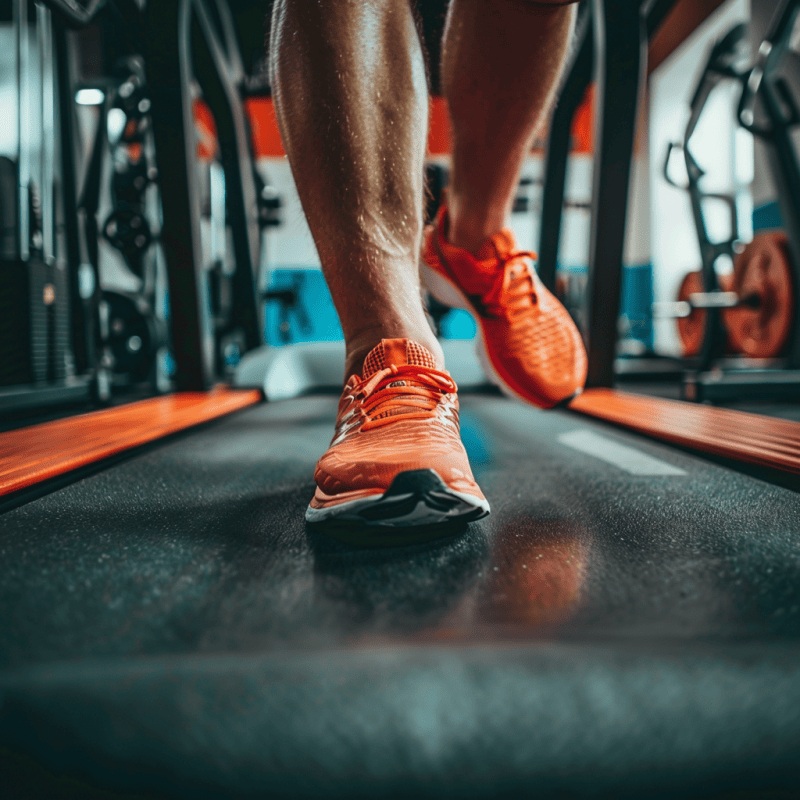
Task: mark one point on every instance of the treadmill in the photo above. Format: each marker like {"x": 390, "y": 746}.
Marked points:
{"x": 626, "y": 622}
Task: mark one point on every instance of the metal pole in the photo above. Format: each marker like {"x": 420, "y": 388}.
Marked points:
{"x": 621, "y": 60}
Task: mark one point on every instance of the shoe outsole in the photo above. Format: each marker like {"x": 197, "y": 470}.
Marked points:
{"x": 446, "y": 292}
{"x": 416, "y": 499}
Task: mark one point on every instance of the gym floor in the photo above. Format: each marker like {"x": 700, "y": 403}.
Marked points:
{"x": 624, "y": 624}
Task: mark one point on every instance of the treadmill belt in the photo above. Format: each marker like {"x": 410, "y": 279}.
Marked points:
{"x": 625, "y": 623}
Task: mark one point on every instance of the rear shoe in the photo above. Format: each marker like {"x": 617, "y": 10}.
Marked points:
{"x": 396, "y": 459}
{"x": 527, "y": 341}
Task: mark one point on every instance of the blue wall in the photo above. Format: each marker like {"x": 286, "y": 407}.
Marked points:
{"x": 637, "y": 299}
{"x": 766, "y": 217}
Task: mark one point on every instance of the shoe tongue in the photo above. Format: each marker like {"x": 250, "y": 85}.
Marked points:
{"x": 398, "y": 353}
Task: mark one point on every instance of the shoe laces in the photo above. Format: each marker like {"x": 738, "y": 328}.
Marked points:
{"x": 513, "y": 291}
{"x": 406, "y": 392}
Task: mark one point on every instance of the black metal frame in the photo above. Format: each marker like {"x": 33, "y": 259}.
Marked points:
{"x": 175, "y": 29}
{"x": 66, "y": 331}
{"x": 171, "y": 33}
{"x": 615, "y": 54}
{"x": 612, "y": 36}
{"x": 83, "y": 309}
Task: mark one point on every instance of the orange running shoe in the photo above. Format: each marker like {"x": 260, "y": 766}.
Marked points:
{"x": 527, "y": 341}
{"x": 396, "y": 458}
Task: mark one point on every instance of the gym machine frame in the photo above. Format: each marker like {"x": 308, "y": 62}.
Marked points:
{"x": 169, "y": 33}
{"x": 68, "y": 320}
{"x": 725, "y": 314}
{"x": 719, "y": 67}
{"x": 763, "y": 83}
{"x": 222, "y": 78}
{"x": 616, "y": 54}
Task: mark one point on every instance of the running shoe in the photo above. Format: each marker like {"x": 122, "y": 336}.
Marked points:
{"x": 396, "y": 458}
{"x": 527, "y": 342}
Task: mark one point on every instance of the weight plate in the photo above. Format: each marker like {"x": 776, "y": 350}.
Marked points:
{"x": 762, "y": 277}
{"x": 133, "y": 335}
{"x": 691, "y": 329}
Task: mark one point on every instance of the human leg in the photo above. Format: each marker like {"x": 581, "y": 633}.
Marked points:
{"x": 500, "y": 67}
{"x": 501, "y": 64}
{"x": 349, "y": 86}
{"x": 350, "y": 94}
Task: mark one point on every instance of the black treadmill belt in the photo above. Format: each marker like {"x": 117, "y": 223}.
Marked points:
{"x": 172, "y": 627}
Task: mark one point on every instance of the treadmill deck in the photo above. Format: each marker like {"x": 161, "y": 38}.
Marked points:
{"x": 620, "y": 625}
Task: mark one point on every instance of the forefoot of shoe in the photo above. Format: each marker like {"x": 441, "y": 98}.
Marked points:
{"x": 416, "y": 498}
{"x": 510, "y": 390}
{"x": 447, "y": 292}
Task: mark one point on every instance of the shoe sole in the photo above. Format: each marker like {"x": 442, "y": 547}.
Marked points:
{"x": 416, "y": 498}
{"x": 446, "y": 292}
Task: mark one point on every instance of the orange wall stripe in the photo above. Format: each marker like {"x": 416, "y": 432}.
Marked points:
{"x": 40, "y": 452}
{"x": 583, "y": 124}
{"x": 206, "y": 131}
{"x": 266, "y": 137}
{"x": 264, "y": 127}
{"x": 439, "y": 136}
{"x": 751, "y": 438}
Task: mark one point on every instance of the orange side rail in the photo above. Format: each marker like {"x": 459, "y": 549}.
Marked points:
{"x": 749, "y": 438}
{"x": 41, "y": 452}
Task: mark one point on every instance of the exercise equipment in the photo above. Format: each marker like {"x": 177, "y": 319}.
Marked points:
{"x": 154, "y": 60}
{"x": 754, "y": 311}
{"x": 172, "y": 629}
{"x": 690, "y": 309}
{"x": 37, "y": 357}
{"x": 611, "y": 39}
{"x": 760, "y": 324}
{"x": 702, "y": 294}
{"x": 767, "y": 270}
{"x": 126, "y": 227}
{"x": 134, "y": 337}
{"x": 767, "y": 108}
{"x": 756, "y": 302}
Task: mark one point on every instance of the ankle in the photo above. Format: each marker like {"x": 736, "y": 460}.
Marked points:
{"x": 469, "y": 229}
{"x": 360, "y": 345}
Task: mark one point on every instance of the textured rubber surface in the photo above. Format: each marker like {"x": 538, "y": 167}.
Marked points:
{"x": 173, "y": 627}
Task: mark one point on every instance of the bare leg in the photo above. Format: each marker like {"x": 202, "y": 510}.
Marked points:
{"x": 350, "y": 93}
{"x": 501, "y": 63}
